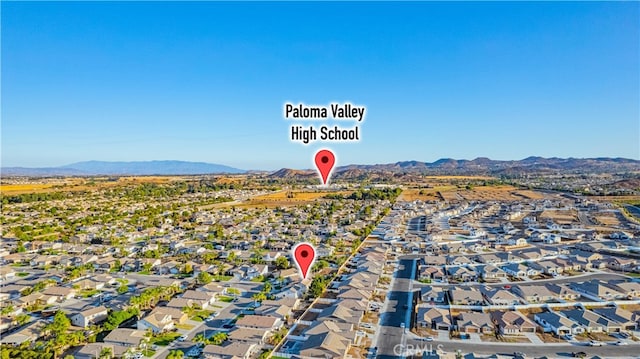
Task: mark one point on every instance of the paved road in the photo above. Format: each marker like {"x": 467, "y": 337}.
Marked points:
{"x": 560, "y": 350}
{"x": 397, "y": 311}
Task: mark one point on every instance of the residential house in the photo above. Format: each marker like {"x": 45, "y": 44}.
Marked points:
{"x": 434, "y": 318}
{"x": 248, "y": 272}
{"x": 125, "y": 337}
{"x": 248, "y": 335}
{"x": 325, "y": 345}
{"x": 596, "y": 288}
{"x": 27, "y": 334}
{"x": 562, "y": 291}
{"x": 465, "y": 296}
{"x": 177, "y": 315}
{"x": 431, "y": 294}
{"x": 262, "y": 322}
{"x": 205, "y": 298}
{"x": 558, "y": 324}
{"x": 60, "y": 293}
{"x": 233, "y": 350}
{"x": 157, "y": 321}
{"x": 491, "y": 272}
{"x": 627, "y": 320}
{"x": 520, "y": 270}
{"x": 93, "y": 350}
{"x": 534, "y": 293}
{"x": 340, "y": 313}
{"x": 591, "y": 321}
{"x": 462, "y": 274}
{"x": 475, "y": 322}
{"x": 498, "y": 296}
{"x": 512, "y": 323}
{"x": 91, "y": 316}
{"x": 430, "y": 272}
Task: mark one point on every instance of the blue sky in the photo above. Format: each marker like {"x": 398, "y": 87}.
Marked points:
{"x": 206, "y": 81}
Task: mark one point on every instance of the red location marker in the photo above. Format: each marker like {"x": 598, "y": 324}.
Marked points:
{"x": 324, "y": 162}
{"x": 304, "y": 254}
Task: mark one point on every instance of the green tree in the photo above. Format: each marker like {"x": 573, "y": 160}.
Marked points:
{"x": 22, "y": 319}
{"x": 106, "y": 353}
{"x": 282, "y": 263}
{"x": 259, "y": 297}
{"x": 175, "y": 354}
{"x": 188, "y": 268}
{"x": 204, "y": 278}
{"x": 59, "y": 325}
{"x": 218, "y": 338}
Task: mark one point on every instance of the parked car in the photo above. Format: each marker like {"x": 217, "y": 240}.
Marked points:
{"x": 594, "y": 343}
{"x": 620, "y": 342}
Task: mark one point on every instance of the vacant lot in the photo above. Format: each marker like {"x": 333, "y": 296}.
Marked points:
{"x": 9, "y": 189}
{"x": 425, "y": 194}
{"x": 286, "y": 198}
{"x": 561, "y": 216}
{"x": 450, "y": 192}
{"x": 80, "y": 184}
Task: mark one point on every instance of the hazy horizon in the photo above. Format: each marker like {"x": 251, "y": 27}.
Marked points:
{"x": 70, "y": 165}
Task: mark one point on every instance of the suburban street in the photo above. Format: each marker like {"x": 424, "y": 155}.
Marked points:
{"x": 398, "y": 310}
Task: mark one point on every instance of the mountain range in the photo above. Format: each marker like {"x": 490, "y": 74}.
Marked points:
{"x": 139, "y": 168}
{"x": 480, "y": 165}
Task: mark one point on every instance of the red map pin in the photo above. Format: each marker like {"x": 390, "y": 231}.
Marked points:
{"x": 304, "y": 255}
{"x": 324, "y": 162}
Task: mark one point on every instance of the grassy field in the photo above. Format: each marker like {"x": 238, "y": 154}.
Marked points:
{"x": 165, "y": 338}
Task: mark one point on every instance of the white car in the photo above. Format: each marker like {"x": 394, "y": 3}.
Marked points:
{"x": 594, "y": 343}
{"x": 620, "y": 342}
{"x": 429, "y": 339}
{"x": 182, "y": 338}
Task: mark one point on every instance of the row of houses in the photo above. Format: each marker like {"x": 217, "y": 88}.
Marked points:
{"x": 509, "y": 323}
{"x": 333, "y": 329}
{"x": 532, "y": 293}
{"x": 581, "y": 320}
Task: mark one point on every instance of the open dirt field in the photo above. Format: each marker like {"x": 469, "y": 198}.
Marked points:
{"x": 477, "y": 193}
{"x": 425, "y": 194}
{"x": 79, "y": 184}
{"x": 608, "y": 219}
{"x": 283, "y": 199}
{"x": 561, "y": 216}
